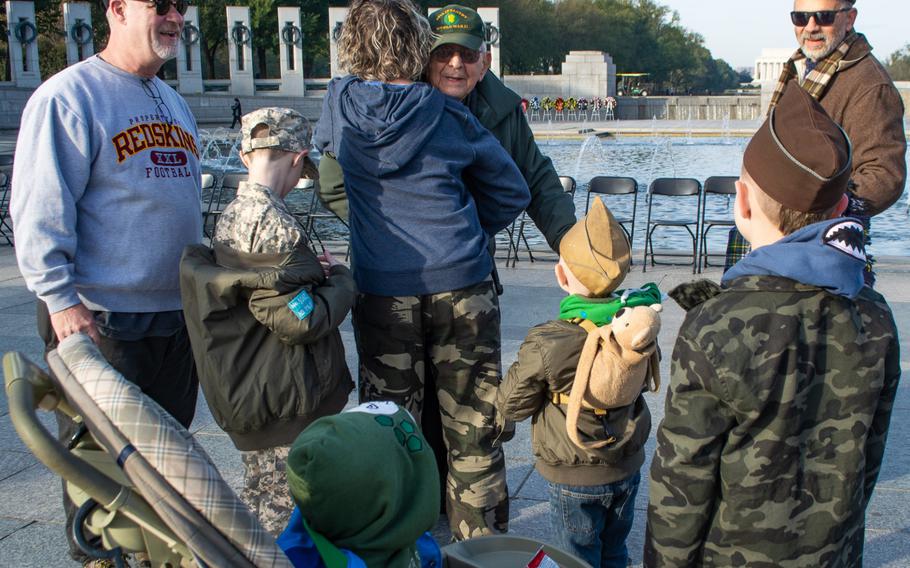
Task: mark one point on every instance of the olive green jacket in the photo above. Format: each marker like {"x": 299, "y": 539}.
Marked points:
{"x": 499, "y": 110}
{"x": 775, "y": 426}
{"x": 546, "y": 364}
{"x": 266, "y": 372}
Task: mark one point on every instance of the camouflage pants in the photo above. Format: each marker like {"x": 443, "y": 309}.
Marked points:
{"x": 453, "y": 338}
{"x": 265, "y": 487}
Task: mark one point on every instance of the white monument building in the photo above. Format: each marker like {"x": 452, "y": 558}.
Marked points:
{"x": 770, "y": 63}
{"x": 768, "y": 68}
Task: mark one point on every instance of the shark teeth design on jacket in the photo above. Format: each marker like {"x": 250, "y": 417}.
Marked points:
{"x": 847, "y": 237}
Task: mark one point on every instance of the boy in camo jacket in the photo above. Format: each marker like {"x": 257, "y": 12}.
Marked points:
{"x": 263, "y": 313}
{"x": 783, "y": 380}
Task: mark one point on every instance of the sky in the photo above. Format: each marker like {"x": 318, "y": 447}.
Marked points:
{"x": 737, "y": 30}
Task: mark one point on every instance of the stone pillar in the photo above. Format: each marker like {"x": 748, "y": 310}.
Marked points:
{"x": 240, "y": 50}
{"x": 290, "y": 46}
{"x": 588, "y": 74}
{"x": 77, "y": 21}
{"x": 20, "y": 18}
{"x": 490, "y": 17}
{"x": 336, "y": 19}
{"x": 189, "y": 55}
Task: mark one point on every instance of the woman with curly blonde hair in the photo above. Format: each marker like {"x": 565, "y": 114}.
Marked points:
{"x": 419, "y": 243}
{"x": 387, "y": 41}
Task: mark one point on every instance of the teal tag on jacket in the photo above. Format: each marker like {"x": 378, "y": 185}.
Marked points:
{"x": 301, "y": 305}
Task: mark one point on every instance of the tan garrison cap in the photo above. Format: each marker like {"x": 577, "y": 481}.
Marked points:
{"x": 800, "y": 157}
{"x": 597, "y": 250}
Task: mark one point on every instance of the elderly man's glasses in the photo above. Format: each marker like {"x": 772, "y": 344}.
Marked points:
{"x": 444, "y": 53}
{"x": 822, "y": 17}
{"x": 162, "y": 7}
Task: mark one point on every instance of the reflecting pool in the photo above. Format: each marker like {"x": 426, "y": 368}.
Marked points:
{"x": 644, "y": 159}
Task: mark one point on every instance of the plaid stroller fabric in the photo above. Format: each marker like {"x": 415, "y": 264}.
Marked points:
{"x": 165, "y": 463}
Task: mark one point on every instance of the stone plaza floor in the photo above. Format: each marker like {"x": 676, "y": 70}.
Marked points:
{"x": 31, "y": 518}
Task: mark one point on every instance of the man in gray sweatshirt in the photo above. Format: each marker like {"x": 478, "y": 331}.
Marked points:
{"x": 106, "y": 194}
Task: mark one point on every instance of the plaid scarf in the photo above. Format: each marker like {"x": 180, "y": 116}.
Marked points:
{"x": 818, "y": 78}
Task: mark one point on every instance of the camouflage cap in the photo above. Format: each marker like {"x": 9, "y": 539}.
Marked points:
{"x": 288, "y": 131}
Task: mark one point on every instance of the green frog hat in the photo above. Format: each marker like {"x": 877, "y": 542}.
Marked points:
{"x": 366, "y": 480}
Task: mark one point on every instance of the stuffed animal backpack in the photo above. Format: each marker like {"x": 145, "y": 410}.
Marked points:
{"x": 618, "y": 361}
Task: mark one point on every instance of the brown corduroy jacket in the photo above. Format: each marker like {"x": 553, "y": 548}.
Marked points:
{"x": 862, "y": 98}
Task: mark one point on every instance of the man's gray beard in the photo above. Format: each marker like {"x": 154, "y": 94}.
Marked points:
{"x": 825, "y": 51}
{"x": 166, "y": 53}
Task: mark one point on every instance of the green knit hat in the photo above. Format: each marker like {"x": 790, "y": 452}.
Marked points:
{"x": 366, "y": 480}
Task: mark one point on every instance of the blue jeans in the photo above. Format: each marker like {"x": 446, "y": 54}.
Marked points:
{"x": 593, "y": 521}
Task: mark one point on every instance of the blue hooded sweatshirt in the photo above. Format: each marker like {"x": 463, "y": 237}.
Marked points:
{"x": 829, "y": 254}
{"x": 409, "y": 153}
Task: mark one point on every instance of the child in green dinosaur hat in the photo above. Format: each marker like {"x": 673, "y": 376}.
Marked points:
{"x": 594, "y": 483}
{"x": 366, "y": 488}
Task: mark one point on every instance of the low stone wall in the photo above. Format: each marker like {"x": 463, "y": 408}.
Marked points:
{"x": 209, "y": 109}
{"x": 213, "y": 110}
{"x": 904, "y": 88}
{"x": 746, "y": 107}
{"x": 12, "y": 102}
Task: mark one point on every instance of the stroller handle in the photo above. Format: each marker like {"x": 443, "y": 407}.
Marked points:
{"x": 29, "y": 387}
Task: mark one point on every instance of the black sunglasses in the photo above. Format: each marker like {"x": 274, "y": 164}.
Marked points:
{"x": 445, "y": 52}
{"x": 162, "y": 7}
{"x": 822, "y": 17}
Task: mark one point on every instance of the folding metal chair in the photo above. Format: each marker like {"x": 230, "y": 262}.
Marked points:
{"x": 223, "y": 192}
{"x": 315, "y": 212}
{"x": 610, "y": 185}
{"x": 673, "y": 188}
{"x": 720, "y": 186}
{"x": 515, "y": 237}
{"x": 6, "y": 182}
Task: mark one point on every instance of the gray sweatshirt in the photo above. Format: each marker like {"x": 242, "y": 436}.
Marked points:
{"x": 106, "y": 190}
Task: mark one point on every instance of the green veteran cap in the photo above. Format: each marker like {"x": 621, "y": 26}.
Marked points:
{"x": 459, "y": 25}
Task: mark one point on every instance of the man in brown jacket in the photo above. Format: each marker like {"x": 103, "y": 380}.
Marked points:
{"x": 834, "y": 63}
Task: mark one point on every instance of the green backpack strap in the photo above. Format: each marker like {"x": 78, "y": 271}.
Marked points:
{"x": 331, "y": 556}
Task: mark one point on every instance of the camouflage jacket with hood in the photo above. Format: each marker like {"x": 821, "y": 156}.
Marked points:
{"x": 778, "y": 409}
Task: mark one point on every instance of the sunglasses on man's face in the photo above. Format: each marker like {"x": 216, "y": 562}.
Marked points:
{"x": 444, "y": 53}
{"x": 822, "y": 17}
{"x": 162, "y": 7}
